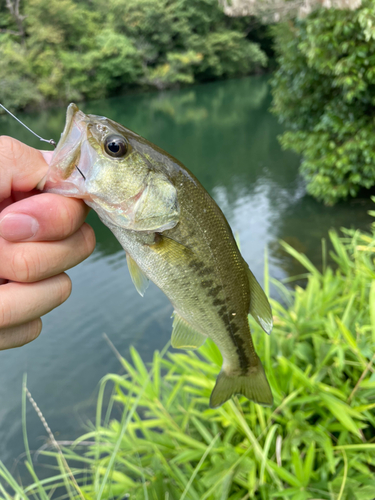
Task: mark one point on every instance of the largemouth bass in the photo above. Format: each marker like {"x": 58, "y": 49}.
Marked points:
{"x": 175, "y": 235}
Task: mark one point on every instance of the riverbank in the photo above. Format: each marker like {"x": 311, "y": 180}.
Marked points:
{"x": 224, "y": 133}
{"x": 157, "y": 438}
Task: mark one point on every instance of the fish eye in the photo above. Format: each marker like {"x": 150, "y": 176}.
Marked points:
{"x": 115, "y": 146}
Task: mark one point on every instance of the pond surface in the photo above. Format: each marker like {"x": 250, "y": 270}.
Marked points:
{"x": 224, "y": 133}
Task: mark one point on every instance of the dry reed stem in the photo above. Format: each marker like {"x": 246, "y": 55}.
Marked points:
{"x": 279, "y": 440}
{"x": 115, "y": 351}
{"x": 53, "y": 440}
{"x": 368, "y": 367}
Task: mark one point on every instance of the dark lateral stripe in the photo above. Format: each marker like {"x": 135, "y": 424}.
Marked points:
{"x": 205, "y": 271}
{"x": 229, "y": 321}
{"x": 218, "y": 302}
{"x": 207, "y": 283}
{"x": 232, "y": 328}
{"x": 213, "y": 292}
{"x": 240, "y": 345}
{"x": 238, "y": 341}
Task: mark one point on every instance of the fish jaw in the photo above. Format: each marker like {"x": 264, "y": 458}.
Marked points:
{"x": 125, "y": 191}
{"x": 71, "y": 159}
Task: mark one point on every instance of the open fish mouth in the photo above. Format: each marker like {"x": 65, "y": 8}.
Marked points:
{"x": 64, "y": 175}
{"x": 67, "y": 151}
{"x": 71, "y": 111}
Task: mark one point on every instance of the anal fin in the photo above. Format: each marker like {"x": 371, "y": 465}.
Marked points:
{"x": 138, "y": 277}
{"x": 184, "y": 336}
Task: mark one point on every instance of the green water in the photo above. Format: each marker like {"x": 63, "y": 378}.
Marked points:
{"x": 224, "y": 133}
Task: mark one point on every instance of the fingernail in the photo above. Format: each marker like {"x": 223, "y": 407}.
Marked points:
{"x": 18, "y": 227}
{"x": 47, "y": 155}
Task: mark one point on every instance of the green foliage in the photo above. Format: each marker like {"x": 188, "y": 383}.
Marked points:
{"x": 324, "y": 92}
{"x": 81, "y": 50}
{"x": 179, "y": 68}
{"x": 17, "y": 88}
{"x": 227, "y": 53}
{"x": 318, "y": 440}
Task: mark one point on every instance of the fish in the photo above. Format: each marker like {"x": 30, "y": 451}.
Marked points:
{"x": 175, "y": 235}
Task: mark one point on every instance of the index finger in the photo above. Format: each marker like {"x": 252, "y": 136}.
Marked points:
{"x": 21, "y": 167}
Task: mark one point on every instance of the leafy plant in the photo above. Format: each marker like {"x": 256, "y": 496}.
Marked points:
{"x": 323, "y": 92}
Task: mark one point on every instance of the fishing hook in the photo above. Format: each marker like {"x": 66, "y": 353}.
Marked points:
{"x": 80, "y": 172}
{"x": 51, "y": 141}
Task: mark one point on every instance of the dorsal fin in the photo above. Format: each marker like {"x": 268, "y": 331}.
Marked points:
{"x": 260, "y": 308}
{"x": 138, "y": 277}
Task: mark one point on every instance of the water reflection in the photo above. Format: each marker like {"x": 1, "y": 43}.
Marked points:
{"x": 225, "y": 135}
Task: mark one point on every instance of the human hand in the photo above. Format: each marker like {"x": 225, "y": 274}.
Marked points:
{"x": 41, "y": 236}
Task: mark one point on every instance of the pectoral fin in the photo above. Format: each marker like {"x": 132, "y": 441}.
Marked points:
{"x": 171, "y": 250}
{"x": 184, "y": 336}
{"x": 138, "y": 277}
{"x": 260, "y": 308}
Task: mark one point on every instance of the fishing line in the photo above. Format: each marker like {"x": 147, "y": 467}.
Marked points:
{"x": 51, "y": 141}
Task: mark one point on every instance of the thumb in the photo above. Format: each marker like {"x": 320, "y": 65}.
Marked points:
{"x": 21, "y": 167}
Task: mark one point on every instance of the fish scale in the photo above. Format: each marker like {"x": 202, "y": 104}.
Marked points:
{"x": 175, "y": 235}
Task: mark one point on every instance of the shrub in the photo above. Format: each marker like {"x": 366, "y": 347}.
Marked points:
{"x": 324, "y": 93}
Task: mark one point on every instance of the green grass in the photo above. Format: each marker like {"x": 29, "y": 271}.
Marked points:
{"x": 316, "y": 442}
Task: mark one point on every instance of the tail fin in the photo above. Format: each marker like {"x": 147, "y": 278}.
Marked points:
{"x": 254, "y": 386}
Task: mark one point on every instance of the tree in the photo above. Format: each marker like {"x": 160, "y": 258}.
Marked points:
{"x": 324, "y": 93}
{"x": 84, "y": 49}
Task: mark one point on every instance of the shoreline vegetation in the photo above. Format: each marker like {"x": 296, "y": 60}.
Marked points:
{"x": 58, "y": 51}
{"x": 316, "y": 442}
{"x": 54, "y": 52}
{"x": 323, "y": 94}
{"x": 157, "y": 438}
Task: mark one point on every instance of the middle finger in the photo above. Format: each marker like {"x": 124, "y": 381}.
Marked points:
{"x": 33, "y": 261}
